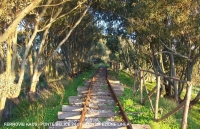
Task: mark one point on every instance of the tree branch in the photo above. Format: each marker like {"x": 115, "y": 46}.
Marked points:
{"x": 66, "y": 37}
{"x": 18, "y": 19}
{"x": 54, "y": 4}
{"x": 51, "y": 22}
{"x": 174, "y": 52}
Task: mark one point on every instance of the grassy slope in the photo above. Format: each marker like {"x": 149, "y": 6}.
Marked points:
{"x": 46, "y": 109}
{"x": 143, "y": 114}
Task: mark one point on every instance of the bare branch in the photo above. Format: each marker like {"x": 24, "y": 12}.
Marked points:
{"x": 18, "y": 19}
{"x": 173, "y": 52}
{"x": 54, "y": 4}
{"x": 54, "y": 20}
{"x": 65, "y": 39}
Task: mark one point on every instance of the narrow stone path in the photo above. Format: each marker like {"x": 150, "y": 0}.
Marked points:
{"x": 101, "y": 111}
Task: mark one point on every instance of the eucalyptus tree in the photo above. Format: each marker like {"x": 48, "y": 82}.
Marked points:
{"x": 38, "y": 70}
{"x": 169, "y": 30}
{"x": 77, "y": 50}
{"x": 166, "y": 35}
{"x": 11, "y": 14}
{"x": 112, "y": 16}
{"x": 44, "y": 14}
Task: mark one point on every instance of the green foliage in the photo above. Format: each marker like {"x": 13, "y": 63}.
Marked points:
{"x": 45, "y": 109}
{"x": 113, "y": 44}
{"x": 84, "y": 66}
{"x": 105, "y": 87}
{"x": 143, "y": 114}
{"x": 193, "y": 118}
{"x": 99, "y": 60}
{"x": 101, "y": 64}
{"x": 7, "y": 85}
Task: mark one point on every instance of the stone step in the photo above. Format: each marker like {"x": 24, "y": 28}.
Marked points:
{"x": 117, "y": 87}
{"x": 76, "y": 99}
{"x": 88, "y": 125}
{"x": 85, "y": 91}
{"x": 105, "y": 125}
{"x": 101, "y": 115}
{"x": 63, "y": 127}
{"x": 69, "y": 115}
{"x": 82, "y": 88}
{"x": 135, "y": 126}
{"x": 101, "y": 93}
{"x": 81, "y": 95}
{"x": 102, "y": 103}
{"x": 95, "y": 94}
{"x": 101, "y": 100}
{"x": 99, "y": 89}
{"x": 76, "y": 102}
{"x": 95, "y": 106}
{"x": 95, "y": 98}
{"x": 66, "y": 125}
{"x": 101, "y": 97}
{"x": 76, "y": 115}
{"x": 113, "y": 81}
{"x": 118, "y": 92}
{"x": 69, "y": 108}
{"x": 81, "y": 102}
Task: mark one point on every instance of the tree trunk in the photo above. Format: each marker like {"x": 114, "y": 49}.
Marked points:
{"x": 1, "y": 60}
{"x": 24, "y": 58}
{"x": 8, "y": 57}
{"x": 18, "y": 19}
{"x": 28, "y": 46}
{"x": 14, "y": 54}
{"x": 34, "y": 82}
{"x": 37, "y": 72}
{"x": 2, "y": 106}
{"x": 47, "y": 73}
{"x": 189, "y": 71}
{"x": 55, "y": 72}
{"x": 173, "y": 74}
{"x": 30, "y": 59}
{"x": 68, "y": 60}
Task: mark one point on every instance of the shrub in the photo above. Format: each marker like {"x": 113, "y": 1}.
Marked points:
{"x": 84, "y": 66}
{"x": 7, "y": 85}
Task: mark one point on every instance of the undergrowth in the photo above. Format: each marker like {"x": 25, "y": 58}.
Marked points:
{"x": 43, "y": 112}
{"x": 139, "y": 114}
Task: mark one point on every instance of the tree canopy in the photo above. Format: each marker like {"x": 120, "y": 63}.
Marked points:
{"x": 148, "y": 34}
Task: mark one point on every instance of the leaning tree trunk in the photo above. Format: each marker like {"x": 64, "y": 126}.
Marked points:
{"x": 37, "y": 72}
{"x": 28, "y": 46}
{"x": 1, "y": 59}
{"x": 34, "y": 82}
{"x": 14, "y": 54}
{"x": 18, "y": 19}
{"x": 8, "y": 57}
{"x": 2, "y": 106}
{"x": 9, "y": 69}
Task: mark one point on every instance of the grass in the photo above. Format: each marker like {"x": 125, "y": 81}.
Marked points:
{"x": 43, "y": 112}
{"x": 140, "y": 114}
{"x": 32, "y": 115}
{"x": 105, "y": 87}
